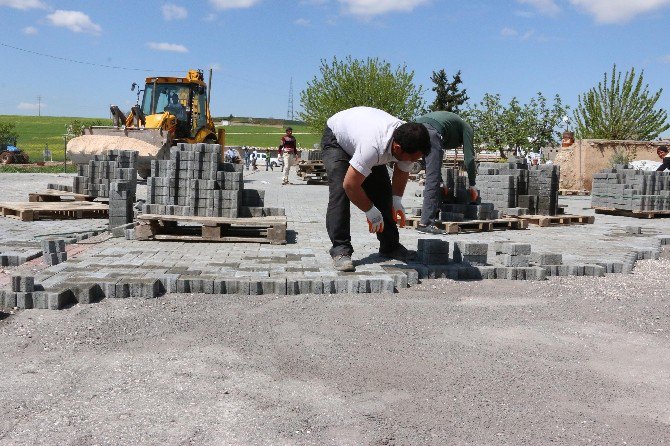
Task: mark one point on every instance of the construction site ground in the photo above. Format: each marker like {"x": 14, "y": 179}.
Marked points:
{"x": 570, "y": 360}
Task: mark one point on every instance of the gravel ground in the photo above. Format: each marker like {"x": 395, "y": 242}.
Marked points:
{"x": 567, "y": 361}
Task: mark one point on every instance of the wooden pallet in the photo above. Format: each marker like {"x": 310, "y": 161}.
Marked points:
{"x": 581, "y": 192}
{"x": 52, "y": 195}
{"x": 62, "y": 210}
{"x": 456, "y": 227}
{"x": 553, "y": 220}
{"x": 212, "y": 229}
{"x": 634, "y": 214}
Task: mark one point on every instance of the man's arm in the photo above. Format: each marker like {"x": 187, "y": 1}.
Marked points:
{"x": 399, "y": 181}
{"x": 665, "y": 165}
{"x": 353, "y": 186}
{"x": 469, "y": 153}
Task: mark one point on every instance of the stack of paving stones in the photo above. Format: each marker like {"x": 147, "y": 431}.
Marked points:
{"x": 631, "y": 190}
{"x": 15, "y": 253}
{"x": 121, "y": 205}
{"x": 94, "y": 178}
{"x": 60, "y": 187}
{"x": 314, "y": 155}
{"x": 512, "y": 261}
{"x": 456, "y": 206}
{"x": 53, "y": 251}
{"x": 514, "y": 188}
{"x": 194, "y": 182}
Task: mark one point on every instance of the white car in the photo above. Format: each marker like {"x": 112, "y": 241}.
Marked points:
{"x": 261, "y": 160}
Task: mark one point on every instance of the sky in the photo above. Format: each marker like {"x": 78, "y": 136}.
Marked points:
{"x": 76, "y": 57}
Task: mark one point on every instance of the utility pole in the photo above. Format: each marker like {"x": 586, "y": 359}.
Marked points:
{"x": 289, "y": 113}
{"x": 39, "y": 105}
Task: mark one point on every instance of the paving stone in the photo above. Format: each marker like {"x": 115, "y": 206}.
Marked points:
{"x": 546, "y": 258}
{"x": 24, "y": 300}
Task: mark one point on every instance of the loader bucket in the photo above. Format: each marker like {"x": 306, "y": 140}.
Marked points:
{"x": 150, "y": 144}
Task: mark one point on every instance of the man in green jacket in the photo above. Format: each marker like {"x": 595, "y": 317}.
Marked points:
{"x": 447, "y": 131}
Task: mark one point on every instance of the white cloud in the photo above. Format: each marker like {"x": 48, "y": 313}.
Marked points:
{"x": 232, "y": 4}
{"x": 174, "y": 12}
{"x": 23, "y": 4}
{"x": 209, "y": 17}
{"x": 30, "y": 106}
{"x": 368, "y": 8}
{"x": 167, "y": 47}
{"x": 29, "y": 30}
{"x": 618, "y": 11}
{"x": 301, "y": 22}
{"x": 509, "y": 32}
{"x": 528, "y": 34}
{"x": 75, "y": 21}
{"x": 546, "y": 7}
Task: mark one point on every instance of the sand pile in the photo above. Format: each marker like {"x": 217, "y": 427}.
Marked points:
{"x": 98, "y": 144}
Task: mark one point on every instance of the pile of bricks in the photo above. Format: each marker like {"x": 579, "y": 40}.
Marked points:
{"x": 312, "y": 155}
{"x": 121, "y": 202}
{"x": 60, "y": 187}
{"x": 456, "y": 205}
{"x": 94, "y": 178}
{"x": 194, "y": 182}
{"x": 631, "y": 190}
{"x": 512, "y": 261}
{"x": 53, "y": 251}
{"x": 514, "y": 188}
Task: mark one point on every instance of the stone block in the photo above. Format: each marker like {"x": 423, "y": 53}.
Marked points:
{"x": 24, "y": 300}
{"x": 546, "y": 258}
{"x": 515, "y": 261}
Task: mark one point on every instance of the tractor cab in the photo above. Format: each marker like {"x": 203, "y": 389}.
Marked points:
{"x": 178, "y": 105}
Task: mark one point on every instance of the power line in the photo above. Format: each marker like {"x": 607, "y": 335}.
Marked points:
{"x": 65, "y": 59}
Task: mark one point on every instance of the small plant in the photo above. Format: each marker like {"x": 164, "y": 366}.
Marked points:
{"x": 622, "y": 156}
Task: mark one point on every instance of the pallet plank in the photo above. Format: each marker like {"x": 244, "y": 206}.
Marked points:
{"x": 212, "y": 229}
{"x": 634, "y": 214}
{"x": 552, "y": 220}
{"x": 59, "y": 210}
{"x": 456, "y": 227}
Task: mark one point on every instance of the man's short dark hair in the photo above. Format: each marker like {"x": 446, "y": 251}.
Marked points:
{"x": 289, "y": 128}
{"x": 662, "y": 149}
{"x": 412, "y": 138}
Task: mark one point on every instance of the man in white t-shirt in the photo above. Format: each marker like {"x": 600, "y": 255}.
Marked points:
{"x": 357, "y": 145}
{"x": 663, "y": 154}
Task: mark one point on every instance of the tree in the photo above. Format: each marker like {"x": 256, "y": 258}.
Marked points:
{"x": 448, "y": 97}
{"x": 351, "y": 82}
{"x": 8, "y": 133}
{"x": 516, "y": 128}
{"x": 620, "y": 110}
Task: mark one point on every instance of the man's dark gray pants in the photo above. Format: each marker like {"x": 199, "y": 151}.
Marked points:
{"x": 377, "y": 187}
{"x": 432, "y": 192}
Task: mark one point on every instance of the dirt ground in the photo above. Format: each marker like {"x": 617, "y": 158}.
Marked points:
{"x": 568, "y": 361}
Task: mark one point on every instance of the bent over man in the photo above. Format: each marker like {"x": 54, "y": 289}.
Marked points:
{"x": 447, "y": 131}
{"x": 357, "y": 145}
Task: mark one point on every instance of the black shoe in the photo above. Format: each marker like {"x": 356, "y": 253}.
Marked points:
{"x": 399, "y": 253}
{"x": 430, "y": 229}
{"x": 343, "y": 263}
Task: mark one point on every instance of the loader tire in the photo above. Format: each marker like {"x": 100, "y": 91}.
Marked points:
{"x": 6, "y": 158}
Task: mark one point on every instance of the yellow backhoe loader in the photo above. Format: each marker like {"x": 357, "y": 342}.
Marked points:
{"x": 173, "y": 110}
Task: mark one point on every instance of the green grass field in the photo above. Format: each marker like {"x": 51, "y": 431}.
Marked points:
{"x": 35, "y": 133}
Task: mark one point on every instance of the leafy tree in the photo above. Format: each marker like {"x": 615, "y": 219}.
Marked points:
{"x": 352, "y": 82}
{"x": 516, "y": 128}
{"x": 76, "y": 127}
{"x": 448, "y": 97}
{"x": 620, "y": 110}
{"x": 8, "y": 133}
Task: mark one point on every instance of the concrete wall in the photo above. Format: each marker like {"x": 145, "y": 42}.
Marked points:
{"x": 588, "y": 156}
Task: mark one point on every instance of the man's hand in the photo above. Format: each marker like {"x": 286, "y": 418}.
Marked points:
{"x": 474, "y": 194}
{"x": 398, "y": 211}
{"x": 375, "y": 220}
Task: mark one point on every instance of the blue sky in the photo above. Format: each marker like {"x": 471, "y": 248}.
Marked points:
{"x": 512, "y": 47}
